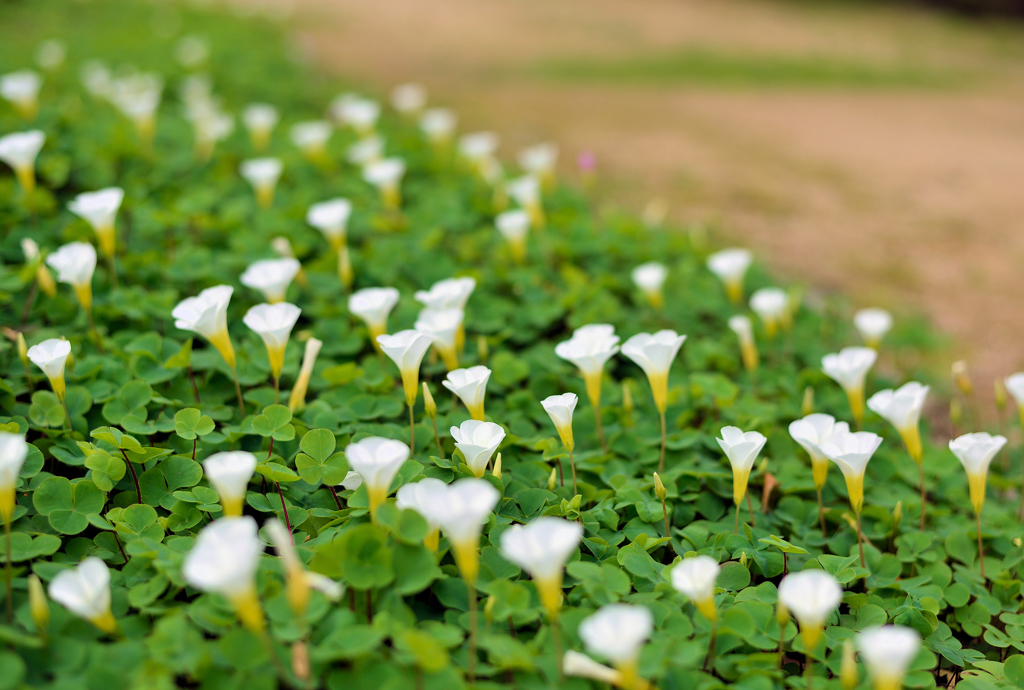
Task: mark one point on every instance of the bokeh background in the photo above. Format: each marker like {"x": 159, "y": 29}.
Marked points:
{"x": 866, "y": 147}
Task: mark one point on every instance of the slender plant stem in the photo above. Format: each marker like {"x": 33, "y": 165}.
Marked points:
{"x": 809, "y": 670}
{"x": 600, "y": 429}
{"x": 561, "y": 477}
{"x": 369, "y": 606}
{"x": 572, "y": 466}
{"x": 67, "y": 416}
{"x": 277, "y": 388}
{"x": 924, "y": 495}
{"x": 28, "y": 377}
{"x": 782, "y": 643}
{"x": 95, "y": 331}
{"x": 412, "y": 430}
{"x": 821, "y": 515}
{"x": 268, "y": 646}
{"x": 112, "y": 267}
{"x": 9, "y": 575}
{"x": 284, "y": 509}
{"x": 556, "y": 636}
{"x": 661, "y": 460}
{"x": 437, "y": 437}
{"x": 135, "y": 478}
{"x": 29, "y": 299}
{"x": 750, "y": 505}
{"x": 664, "y": 513}
{"x": 195, "y": 388}
{"x": 238, "y": 392}
{"x": 981, "y": 549}
{"x": 860, "y": 542}
{"x": 709, "y": 660}
{"x": 471, "y": 663}
{"x": 736, "y": 525}
{"x": 336, "y": 499}
{"x": 119, "y": 547}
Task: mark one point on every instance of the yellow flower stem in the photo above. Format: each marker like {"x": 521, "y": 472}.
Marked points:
{"x": 471, "y": 664}
{"x": 860, "y": 542}
{"x": 924, "y": 495}
{"x": 112, "y": 268}
{"x": 661, "y": 460}
{"x": 67, "y": 415}
{"x": 437, "y": 437}
{"x": 750, "y": 505}
{"x": 412, "y": 430}
{"x": 821, "y": 513}
{"x": 277, "y": 387}
{"x": 572, "y": 466}
{"x": 736, "y": 525}
{"x": 238, "y": 392}
{"x": 709, "y": 660}
{"x": 600, "y": 429}
{"x": 981, "y": 549}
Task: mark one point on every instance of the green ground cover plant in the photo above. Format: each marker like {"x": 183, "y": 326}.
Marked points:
{"x": 129, "y": 567}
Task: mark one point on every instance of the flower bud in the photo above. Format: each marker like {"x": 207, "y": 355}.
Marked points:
{"x": 659, "y": 488}
{"x": 897, "y": 515}
{"x": 743, "y": 559}
{"x": 553, "y": 479}
{"x": 482, "y": 349}
{"x": 848, "y": 669}
{"x": 781, "y": 615}
{"x": 22, "y": 349}
{"x": 807, "y": 407}
{"x": 429, "y": 406}
{"x": 956, "y": 412}
{"x": 961, "y": 377}
{"x": 1000, "y": 394}
{"x": 38, "y": 605}
{"x": 497, "y": 467}
{"x": 489, "y": 605}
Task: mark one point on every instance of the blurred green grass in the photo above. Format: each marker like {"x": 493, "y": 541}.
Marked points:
{"x": 707, "y": 67}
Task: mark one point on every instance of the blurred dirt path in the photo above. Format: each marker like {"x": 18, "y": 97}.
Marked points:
{"x": 907, "y": 196}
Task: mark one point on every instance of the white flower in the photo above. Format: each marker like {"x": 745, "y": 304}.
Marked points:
{"x": 654, "y": 354}
{"x": 852, "y": 451}
{"x": 541, "y": 548}
{"x": 539, "y": 159}
{"x": 577, "y": 665}
{"x": 311, "y": 137}
{"x": 467, "y": 507}
{"x": 443, "y": 325}
{"x": 223, "y": 560}
{"x": 525, "y": 191}
{"x": 902, "y": 409}
{"x": 137, "y": 96}
{"x": 377, "y": 460}
{"x": 300, "y": 581}
{"x": 30, "y": 249}
{"x": 74, "y": 262}
{"x": 50, "y": 54}
{"x": 478, "y": 146}
{"x": 617, "y": 632}
{"x": 872, "y": 324}
{"x": 406, "y": 349}
{"x": 331, "y": 219}
{"x": 650, "y": 277}
{"x": 695, "y": 577}
{"x": 471, "y": 386}
{"x": 271, "y": 277}
{"x": 99, "y": 210}
{"x": 19, "y": 150}
{"x": 744, "y": 330}
{"x": 260, "y": 119}
{"x": 230, "y": 472}
{"x": 514, "y": 226}
{"x": 589, "y": 348}
{"x": 85, "y": 591}
{"x": 438, "y": 124}
{"x": 1015, "y": 387}
{"x": 297, "y": 398}
{"x": 352, "y": 481}
{"x": 770, "y": 306}
{"x": 372, "y": 306}
{"x": 273, "y": 323}
{"x": 888, "y": 652}
{"x": 742, "y": 450}
{"x": 811, "y": 432}
{"x": 730, "y": 265}
{"x": 51, "y": 356}
{"x": 975, "y": 453}
{"x": 849, "y": 368}
{"x": 207, "y": 315}
{"x": 386, "y": 176}
{"x": 13, "y": 451}
{"x": 409, "y": 98}
{"x": 365, "y": 151}
{"x": 426, "y": 497}
{"x": 22, "y": 89}
{"x": 811, "y": 596}
{"x": 477, "y": 440}
{"x": 357, "y": 112}
{"x": 560, "y": 408}
{"x": 97, "y": 80}
{"x": 450, "y": 293}
{"x": 262, "y": 174}
{"x": 191, "y": 52}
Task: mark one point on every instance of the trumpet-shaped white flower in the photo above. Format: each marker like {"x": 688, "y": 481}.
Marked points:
{"x": 409, "y": 99}
{"x": 50, "y": 54}
{"x": 560, "y": 408}
{"x": 654, "y": 354}
{"x": 872, "y": 324}
{"x": 99, "y": 209}
{"x": 13, "y": 451}
{"x": 744, "y": 330}
{"x": 273, "y": 323}
{"x": 22, "y": 89}
{"x": 742, "y": 450}
{"x": 811, "y": 433}
{"x": 359, "y": 113}
{"x": 19, "y": 150}
{"x": 467, "y": 505}
{"x": 426, "y": 497}
{"x": 260, "y": 120}
{"x": 852, "y": 451}
{"x": 525, "y": 191}
{"x": 406, "y": 350}
{"x": 811, "y": 596}
{"x": 888, "y": 652}
{"x": 262, "y": 174}
{"x": 450, "y": 293}
{"x": 617, "y": 632}
{"x": 300, "y": 580}
{"x": 730, "y": 265}
{"x": 695, "y": 577}
{"x": 577, "y": 665}
{"x": 297, "y": 398}
{"x": 541, "y": 548}
{"x": 51, "y": 356}
{"x": 975, "y": 453}
{"x": 207, "y": 315}
{"x": 589, "y": 348}
{"x": 271, "y": 277}
{"x": 75, "y": 263}
{"x": 849, "y": 367}
{"x": 650, "y": 277}
{"x": 539, "y": 160}
{"x": 331, "y": 219}
{"x": 438, "y": 125}
{"x": 223, "y": 560}
{"x": 311, "y": 137}
{"x": 137, "y": 96}
{"x": 514, "y": 226}
{"x": 770, "y": 305}
{"x": 477, "y": 440}
{"x": 97, "y": 80}
{"x": 443, "y": 325}
{"x": 366, "y": 151}
{"x": 377, "y": 460}
{"x": 1015, "y": 387}
{"x": 210, "y": 125}
{"x": 85, "y": 591}
{"x": 386, "y": 175}
{"x": 478, "y": 147}
{"x": 372, "y": 306}
{"x": 230, "y": 472}
{"x": 902, "y": 408}
{"x": 471, "y": 387}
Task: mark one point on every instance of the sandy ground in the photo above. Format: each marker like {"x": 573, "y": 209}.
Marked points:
{"x": 905, "y": 196}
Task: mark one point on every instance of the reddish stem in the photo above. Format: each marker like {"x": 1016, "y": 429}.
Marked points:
{"x": 135, "y": 478}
